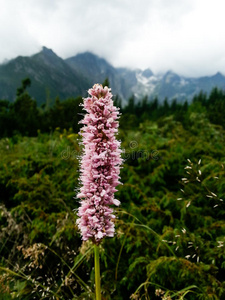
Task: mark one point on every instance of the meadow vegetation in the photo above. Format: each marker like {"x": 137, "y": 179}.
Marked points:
{"x": 170, "y": 228}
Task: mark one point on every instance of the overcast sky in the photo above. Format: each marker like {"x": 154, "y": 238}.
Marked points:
{"x": 186, "y": 36}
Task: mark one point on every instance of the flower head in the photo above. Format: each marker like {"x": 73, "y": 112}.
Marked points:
{"x": 100, "y": 165}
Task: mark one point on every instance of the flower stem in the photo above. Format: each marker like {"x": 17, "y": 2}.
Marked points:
{"x": 97, "y": 273}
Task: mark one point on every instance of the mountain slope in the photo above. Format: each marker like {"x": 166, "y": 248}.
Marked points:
{"x": 50, "y": 77}
{"x": 97, "y": 69}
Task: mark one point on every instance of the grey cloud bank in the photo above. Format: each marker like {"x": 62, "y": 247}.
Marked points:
{"x": 185, "y": 36}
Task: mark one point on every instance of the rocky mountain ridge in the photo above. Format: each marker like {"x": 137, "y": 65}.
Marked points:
{"x": 52, "y": 76}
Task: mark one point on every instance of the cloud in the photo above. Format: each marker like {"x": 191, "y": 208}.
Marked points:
{"x": 185, "y": 36}
{"x": 14, "y": 34}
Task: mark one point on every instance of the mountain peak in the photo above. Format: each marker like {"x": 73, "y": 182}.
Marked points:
{"x": 218, "y": 75}
{"x": 147, "y": 73}
{"x": 48, "y": 57}
{"x": 87, "y": 58}
{"x": 170, "y": 75}
{"x": 88, "y": 54}
{"x": 47, "y": 51}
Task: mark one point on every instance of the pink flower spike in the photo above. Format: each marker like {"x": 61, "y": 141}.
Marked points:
{"x": 100, "y": 165}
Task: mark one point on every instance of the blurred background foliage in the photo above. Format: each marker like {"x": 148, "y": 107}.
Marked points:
{"x": 170, "y": 230}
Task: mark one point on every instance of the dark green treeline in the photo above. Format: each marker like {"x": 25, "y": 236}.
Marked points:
{"x": 25, "y": 118}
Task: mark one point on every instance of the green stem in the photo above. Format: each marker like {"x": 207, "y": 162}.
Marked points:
{"x": 97, "y": 274}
